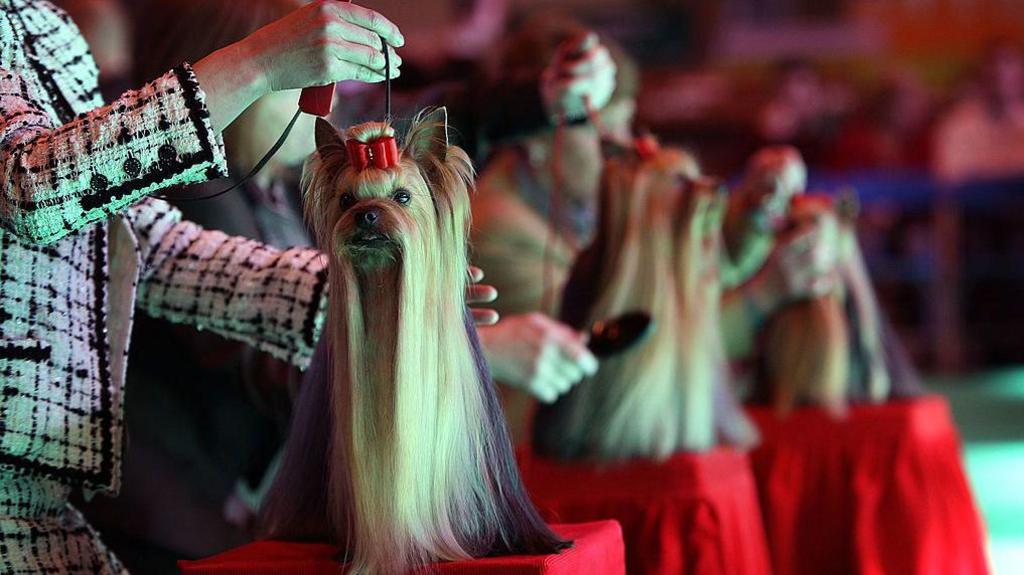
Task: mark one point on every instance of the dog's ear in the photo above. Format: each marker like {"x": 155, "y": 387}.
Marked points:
{"x": 429, "y": 136}
{"x": 328, "y": 139}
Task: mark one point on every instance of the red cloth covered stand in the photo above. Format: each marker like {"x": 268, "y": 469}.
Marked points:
{"x": 597, "y": 551}
{"x": 881, "y": 492}
{"x": 690, "y": 514}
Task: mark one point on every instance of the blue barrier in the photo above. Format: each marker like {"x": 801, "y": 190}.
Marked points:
{"x": 917, "y": 190}
{"x": 910, "y": 190}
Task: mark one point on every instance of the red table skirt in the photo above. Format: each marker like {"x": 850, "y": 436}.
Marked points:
{"x": 597, "y": 550}
{"x": 881, "y": 492}
{"x": 691, "y": 514}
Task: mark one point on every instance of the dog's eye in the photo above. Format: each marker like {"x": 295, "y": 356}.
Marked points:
{"x": 402, "y": 197}
{"x": 347, "y": 200}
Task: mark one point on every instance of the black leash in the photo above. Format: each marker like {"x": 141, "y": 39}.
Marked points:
{"x": 255, "y": 170}
{"x": 387, "y": 80}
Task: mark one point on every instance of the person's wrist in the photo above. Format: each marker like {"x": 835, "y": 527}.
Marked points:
{"x": 252, "y": 70}
{"x": 762, "y": 297}
{"x": 487, "y": 346}
{"x": 549, "y": 102}
{"x": 232, "y": 79}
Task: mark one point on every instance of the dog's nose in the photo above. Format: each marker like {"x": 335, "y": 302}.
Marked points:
{"x": 367, "y": 219}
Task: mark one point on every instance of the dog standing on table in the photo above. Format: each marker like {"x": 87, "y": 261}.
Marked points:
{"x": 827, "y": 350}
{"x": 656, "y": 250}
{"x": 814, "y": 350}
{"x": 399, "y": 451}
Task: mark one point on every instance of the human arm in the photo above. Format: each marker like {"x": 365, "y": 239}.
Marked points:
{"x": 60, "y": 172}
{"x": 274, "y": 300}
{"x": 59, "y": 179}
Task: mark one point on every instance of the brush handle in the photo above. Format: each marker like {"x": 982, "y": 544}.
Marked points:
{"x": 616, "y": 335}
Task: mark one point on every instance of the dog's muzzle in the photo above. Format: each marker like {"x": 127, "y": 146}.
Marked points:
{"x": 368, "y": 228}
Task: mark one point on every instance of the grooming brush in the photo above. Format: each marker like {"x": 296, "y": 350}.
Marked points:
{"x": 616, "y": 335}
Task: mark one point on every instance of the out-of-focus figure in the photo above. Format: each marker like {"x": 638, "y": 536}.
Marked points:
{"x": 799, "y": 283}
{"x": 491, "y": 109}
{"x": 536, "y": 202}
{"x": 982, "y": 136}
{"x": 891, "y": 130}
{"x": 455, "y": 51}
{"x": 804, "y": 109}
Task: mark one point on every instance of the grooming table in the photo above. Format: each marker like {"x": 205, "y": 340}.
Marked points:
{"x": 597, "y": 551}
{"x": 690, "y": 514}
{"x": 880, "y": 492}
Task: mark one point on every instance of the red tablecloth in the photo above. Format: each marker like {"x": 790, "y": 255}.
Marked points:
{"x": 881, "y": 492}
{"x": 691, "y": 514}
{"x": 598, "y": 550}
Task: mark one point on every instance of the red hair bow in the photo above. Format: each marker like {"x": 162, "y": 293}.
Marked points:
{"x": 646, "y": 146}
{"x": 380, "y": 153}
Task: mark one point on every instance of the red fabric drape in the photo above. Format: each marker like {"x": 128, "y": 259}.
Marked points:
{"x": 691, "y": 514}
{"x": 880, "y": 492}
{"x": 597, "y": 550}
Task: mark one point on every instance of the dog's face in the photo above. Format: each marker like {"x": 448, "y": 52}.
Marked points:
{"x": 369, "y": 214}
{"x": 377, "y": 213}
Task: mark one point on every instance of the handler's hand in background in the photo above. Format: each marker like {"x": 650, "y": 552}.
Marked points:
{"x": 478, "y": 293}
{"x": 537, "y": 354}
{"x": 582, "y": 73}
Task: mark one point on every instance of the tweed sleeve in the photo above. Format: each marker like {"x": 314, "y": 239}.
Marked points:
{"x": 274, "y": 300}
{"x": 58, "y": 179}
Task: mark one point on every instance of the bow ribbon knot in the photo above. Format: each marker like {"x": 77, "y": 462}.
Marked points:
{"x": 381, "y": 153}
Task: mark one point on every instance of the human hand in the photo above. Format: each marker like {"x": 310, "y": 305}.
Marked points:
{"x": 477, "y": 293}
{"x": 803, "y": 265}
{"x": 581, "y": 74}
{"x": 323, "y": 42}
{"x": 774, "y": 175}
{"x": 537, "y": 354}
{"x": 320, "y": 43}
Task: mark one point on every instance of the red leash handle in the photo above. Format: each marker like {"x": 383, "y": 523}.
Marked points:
{"x": 316, "y": 100}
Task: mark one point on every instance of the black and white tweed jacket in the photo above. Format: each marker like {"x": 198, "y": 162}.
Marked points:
{"x": 81, "y": 246}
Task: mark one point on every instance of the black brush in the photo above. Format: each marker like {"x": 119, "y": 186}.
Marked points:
{"x": 615, "y": 335}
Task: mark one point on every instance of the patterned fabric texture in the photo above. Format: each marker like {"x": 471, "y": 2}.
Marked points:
{"x": 40, "y": 531}
{"x": 81, "y": 246}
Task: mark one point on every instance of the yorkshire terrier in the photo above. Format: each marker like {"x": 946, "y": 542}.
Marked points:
{"x": 399, "y": 451}
{"x": 833, "y": 348}
{"x": 656, "y": 250}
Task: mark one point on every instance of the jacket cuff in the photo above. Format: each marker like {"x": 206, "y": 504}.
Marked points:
{"x": 177, "y": 144}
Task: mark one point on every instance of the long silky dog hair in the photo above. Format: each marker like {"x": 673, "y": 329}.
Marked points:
{"x": 833, "y": 348}
{"x": 398, "y": 451}
{"x": 656, "y": 250}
